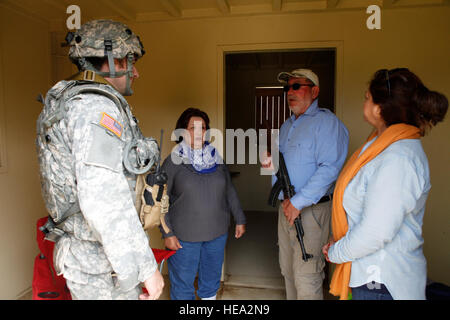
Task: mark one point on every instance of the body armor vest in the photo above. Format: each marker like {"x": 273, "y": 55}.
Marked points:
{"x": 57, "y": 171}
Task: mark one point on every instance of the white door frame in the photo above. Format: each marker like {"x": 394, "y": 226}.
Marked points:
{"x": 222, "y": 50}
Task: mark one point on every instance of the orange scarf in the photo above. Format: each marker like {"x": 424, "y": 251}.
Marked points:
{"x": 341, "y": 276}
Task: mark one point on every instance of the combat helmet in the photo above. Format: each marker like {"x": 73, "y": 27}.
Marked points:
{"x": 105, "y": 38}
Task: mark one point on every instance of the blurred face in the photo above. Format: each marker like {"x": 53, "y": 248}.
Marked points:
{"x": 300, "y": 100}
{"x": 196, "y": 131}
{"x": 120, "y": 83}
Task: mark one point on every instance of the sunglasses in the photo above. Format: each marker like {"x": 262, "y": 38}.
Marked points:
{"x": 296, "y": 86}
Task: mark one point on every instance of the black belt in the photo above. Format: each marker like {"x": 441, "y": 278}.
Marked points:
{"x": 325, "y": 198}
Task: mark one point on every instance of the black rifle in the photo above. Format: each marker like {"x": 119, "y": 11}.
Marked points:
{"x": 284, "y": 184}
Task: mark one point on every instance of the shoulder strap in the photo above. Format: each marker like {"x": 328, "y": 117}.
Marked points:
{"x": 82, "y": 82}
{"x": 89, "y": 76}
{"x": 92, "y": 88}
{"x": 87, "y": 79}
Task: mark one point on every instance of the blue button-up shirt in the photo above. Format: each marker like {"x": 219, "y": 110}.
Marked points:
{"x": 314, "y": 147}
{"x": 385, "y": 205}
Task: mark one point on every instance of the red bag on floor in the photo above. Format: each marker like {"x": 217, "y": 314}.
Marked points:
{"x": 46, "y": 284}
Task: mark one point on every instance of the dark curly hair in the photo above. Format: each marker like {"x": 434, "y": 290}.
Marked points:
{"x": 403, "y": 98}
{"x": 183, "y": 120}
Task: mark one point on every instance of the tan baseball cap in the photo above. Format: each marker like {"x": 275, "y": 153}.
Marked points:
{"x": 283, "y": 77}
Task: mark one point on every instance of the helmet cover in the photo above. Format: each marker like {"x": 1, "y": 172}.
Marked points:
{"x": 89, "y": 40}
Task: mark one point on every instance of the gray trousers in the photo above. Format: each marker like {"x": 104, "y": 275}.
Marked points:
{"x": 304, "y": 280}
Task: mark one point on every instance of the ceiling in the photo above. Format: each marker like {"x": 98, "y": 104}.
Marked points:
{"x": 54, "y": 11}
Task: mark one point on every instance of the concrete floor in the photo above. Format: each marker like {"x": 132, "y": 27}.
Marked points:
{"x": 252, "y": 270}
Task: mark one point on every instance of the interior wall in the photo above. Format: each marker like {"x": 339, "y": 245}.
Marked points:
{"x": 181, "y": 70}
{"x": 25, "y": 63}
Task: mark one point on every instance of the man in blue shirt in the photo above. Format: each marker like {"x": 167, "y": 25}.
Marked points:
{"x": 314, "y": 143}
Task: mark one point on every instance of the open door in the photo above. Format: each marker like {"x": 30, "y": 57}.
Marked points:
{"x": 254, "y": 98}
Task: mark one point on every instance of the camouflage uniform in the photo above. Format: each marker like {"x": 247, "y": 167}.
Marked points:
{"x": 104, "y": 252}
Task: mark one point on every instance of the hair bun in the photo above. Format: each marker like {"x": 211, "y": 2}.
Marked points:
{"x": 432, "y": 105}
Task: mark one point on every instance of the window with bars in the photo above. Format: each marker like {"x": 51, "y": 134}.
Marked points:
{"x": 271, "y": 108}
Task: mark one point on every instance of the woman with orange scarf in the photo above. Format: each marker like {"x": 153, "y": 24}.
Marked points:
{"x": 380, "y": 195}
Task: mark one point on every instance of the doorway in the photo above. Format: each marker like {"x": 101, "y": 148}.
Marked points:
{"x": 252, "y": 93}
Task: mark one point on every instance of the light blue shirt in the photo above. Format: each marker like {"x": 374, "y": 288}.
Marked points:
{"x": 314, "y": 147}
{"x": 385, "y": 204}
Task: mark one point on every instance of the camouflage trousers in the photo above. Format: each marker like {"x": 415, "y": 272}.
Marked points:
{"x": 102, "y": 287}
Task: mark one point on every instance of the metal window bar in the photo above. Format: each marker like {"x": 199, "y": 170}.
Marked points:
{"x": 268, "y": 104}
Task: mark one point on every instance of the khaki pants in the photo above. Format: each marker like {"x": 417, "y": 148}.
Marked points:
{"x": 304, "y": 280}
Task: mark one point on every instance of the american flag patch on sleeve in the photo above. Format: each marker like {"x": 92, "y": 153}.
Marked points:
{"x": 111, "y": 124}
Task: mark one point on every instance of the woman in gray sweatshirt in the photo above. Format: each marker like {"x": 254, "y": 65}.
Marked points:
{"x": 202, "y": 198}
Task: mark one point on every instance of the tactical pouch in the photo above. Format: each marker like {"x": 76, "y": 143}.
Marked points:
{"x": 152, "y": 201}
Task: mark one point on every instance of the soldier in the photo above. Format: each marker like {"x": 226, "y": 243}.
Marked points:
{"x": 90, "y": 151}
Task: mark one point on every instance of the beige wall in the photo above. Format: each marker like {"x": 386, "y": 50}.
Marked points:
{"x": 182, "y": 69}
{"x": 24, "y": 69}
